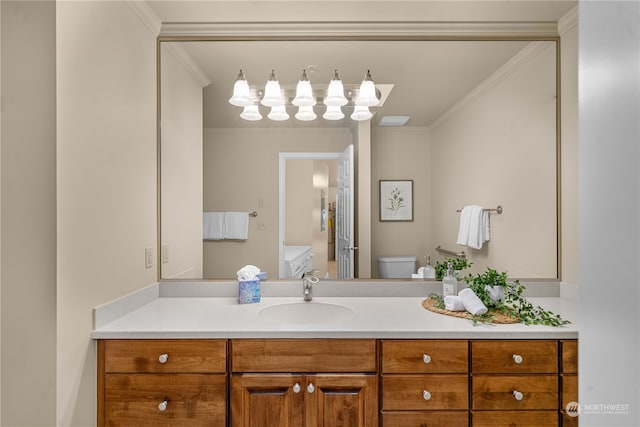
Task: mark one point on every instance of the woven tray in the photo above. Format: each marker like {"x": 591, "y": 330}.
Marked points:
{"x": 491, "y": 317}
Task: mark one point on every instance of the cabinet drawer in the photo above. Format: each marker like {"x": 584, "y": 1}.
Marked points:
{"x": 138, "y": 356}
{"x": 425, "y": 356}
{"x": 425, "y": 392}
{"x": 499, "y": 392}
{"x": 514, "y": 419}
{"x": 191, "y": 399}
{"x": 569, "y": 389}
{"x": 569, "y": 356}
{"x": 425, "y": 418}
{"x": 303, "y": 355}
{"x": 514, "y": 356}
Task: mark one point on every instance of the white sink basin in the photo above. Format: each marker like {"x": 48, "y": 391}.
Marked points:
{"x": 306, "y": 313}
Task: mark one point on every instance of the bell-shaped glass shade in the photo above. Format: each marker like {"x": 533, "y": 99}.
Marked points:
{"x": 278, "y": 113}
{"x": 333, "y": 113}
{"x": 305, "y": 114}
{"x": 335, "y": 92}
{"x": 251, "y": 112}
{"x": 304, "y": 92}
{"x": 241, "y": 94}
{"x": 361, "y": 113}
{"x": 367, "y": 94}
{"x": 272, "y": 96}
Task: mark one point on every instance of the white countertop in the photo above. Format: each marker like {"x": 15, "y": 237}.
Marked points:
{"x": 189, "y": 311}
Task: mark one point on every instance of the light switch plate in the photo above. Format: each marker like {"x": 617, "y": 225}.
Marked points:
{"x": 148, "y": 257}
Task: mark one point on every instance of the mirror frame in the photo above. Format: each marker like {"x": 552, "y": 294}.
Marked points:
{"x": 360, "y": 31}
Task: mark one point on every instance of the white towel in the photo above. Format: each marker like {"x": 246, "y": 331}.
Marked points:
{"x": 476, "y": 234}
{"x": 212, "y": 224}
{"x": 471, "y": 302}
{"x": 486, "y": 224}
{"x": 453, "y": 303}
{"x": 236, "y": 225}
{"x": 463, "y": 230}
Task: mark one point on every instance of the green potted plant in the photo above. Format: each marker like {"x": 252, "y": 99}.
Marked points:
{"x": 458, "y": 265}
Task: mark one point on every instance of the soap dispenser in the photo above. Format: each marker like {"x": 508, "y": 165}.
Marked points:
{"x": 449, "y": 282}
{"x": 428, "y": 272}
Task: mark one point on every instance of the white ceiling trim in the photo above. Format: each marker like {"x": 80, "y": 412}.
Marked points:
{"x": 530, "y": 51}
{"x": 375, "y": 30}
{"x": 146, "y": 15}
{"x": 187, "y": 62}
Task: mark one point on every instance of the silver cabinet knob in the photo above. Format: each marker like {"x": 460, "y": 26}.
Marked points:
{"x": 517, "y": 358}
{"x": 163, "y": 358}
{"x": 163, "y": 406}
{"x": 426, "y": 395}
{"x": 426, "y": 359}
{"x": 296, "y": 388}
{"x": 310, "y": 388}
{"x": 518, "y": 395}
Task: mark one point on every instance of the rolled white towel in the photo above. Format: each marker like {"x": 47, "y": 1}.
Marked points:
{"x": 471, "y": 302}
{"x": 453, "y": 303}
{"x": 496, "y": 293}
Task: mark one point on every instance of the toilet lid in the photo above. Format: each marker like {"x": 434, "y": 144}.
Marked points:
{"x": 397, "y": 259}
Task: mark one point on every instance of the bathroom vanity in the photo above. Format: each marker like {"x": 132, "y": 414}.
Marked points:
{"x": 175, "y": 355}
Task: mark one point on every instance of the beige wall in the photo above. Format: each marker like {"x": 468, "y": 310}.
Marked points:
{"x": 28, "y": 227}
{"x": 181, "y": 170}
{"x": 241, "y": 174}
{"x": 516, "y": 117}
{"x": 400, "y": 154}
{"x": 299, "y": 202}
{"x": 106, "y": 182}
{"x": 320, "y": 237}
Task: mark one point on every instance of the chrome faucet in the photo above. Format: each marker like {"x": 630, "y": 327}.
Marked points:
{"x": 308, "y": 280}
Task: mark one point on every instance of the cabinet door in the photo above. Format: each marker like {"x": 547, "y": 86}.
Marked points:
{"x": 341, "y": 400}
{"x": 267, "y": 400}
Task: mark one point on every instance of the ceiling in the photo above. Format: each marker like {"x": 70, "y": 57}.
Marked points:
{"x": 428, "y": 77}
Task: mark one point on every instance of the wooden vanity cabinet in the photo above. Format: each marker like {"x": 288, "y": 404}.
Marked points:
{"x": 569, "y": 382}
{"x": 304, "y": 382}
{"x": 514, "y": 383}
{"x": 424, "y": 382}
{"x": 162, "y": 382}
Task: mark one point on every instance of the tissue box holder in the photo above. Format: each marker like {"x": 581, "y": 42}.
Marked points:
{"x": 248, "y": 291}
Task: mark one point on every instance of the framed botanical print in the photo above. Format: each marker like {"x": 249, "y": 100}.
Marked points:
{"x": 396, "y": 200}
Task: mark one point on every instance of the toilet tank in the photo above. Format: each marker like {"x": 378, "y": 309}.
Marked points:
{"x": 396, "y": 267}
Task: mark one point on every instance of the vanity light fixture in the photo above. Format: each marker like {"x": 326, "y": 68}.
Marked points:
{"x": 272, "y": 96}
{"x": 304, "y": 92}
{"x": 360, "y": 113}
{"x": 278, "y": 113}
{"x": 241, "y": 93}
{"x": 251, "y": 113}
{"x": 335, "y": 93}
{"x": 367, "y": 96}
{"x": 333, "y": 113}
{"x": 306, "y": 114}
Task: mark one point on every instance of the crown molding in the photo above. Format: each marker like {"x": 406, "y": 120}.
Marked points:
{"x": 568, "y": 21}
{"x": 142, "y": 9}
{"x": 530, "y": 51}
{"x": 187, "y": 62}
{"x": 365, "y": 30}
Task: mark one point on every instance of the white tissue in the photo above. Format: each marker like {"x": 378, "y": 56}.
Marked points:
{"x": 471, "y": 302}
{"x": 453, "y": 303}
{"x": 496, "y": 293}
{"x": 248, "y": 272}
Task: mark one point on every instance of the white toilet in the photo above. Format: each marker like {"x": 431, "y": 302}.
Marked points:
{"x": 396, "y": 267}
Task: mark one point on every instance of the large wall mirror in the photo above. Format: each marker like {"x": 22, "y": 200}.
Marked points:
{"x": 482, "y": 130}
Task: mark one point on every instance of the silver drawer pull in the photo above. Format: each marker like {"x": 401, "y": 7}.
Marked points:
{"x": 296, "y": 388}
{"x": 518, "y": 395}
{"x": 163, "y": 406}
{"x": 517, "y": 358}
{"x": 310, "y": 388}
{"x": 163, "y": 358}
{"x": 426, "y": 395}
{"x": 426, "y": 359}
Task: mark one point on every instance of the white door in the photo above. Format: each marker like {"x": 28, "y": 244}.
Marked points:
{"x": 344, "y": 216}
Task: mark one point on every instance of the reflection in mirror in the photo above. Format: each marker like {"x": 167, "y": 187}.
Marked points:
{"x": 481, "y": 131}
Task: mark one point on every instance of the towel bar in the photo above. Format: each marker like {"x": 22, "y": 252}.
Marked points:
{"x": 460, "y": 254}
{"x": 497, "y": 210}
{"x": 253, "y": 214}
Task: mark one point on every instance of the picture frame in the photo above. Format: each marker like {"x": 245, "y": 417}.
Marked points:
{"x": 396, "y": 200}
